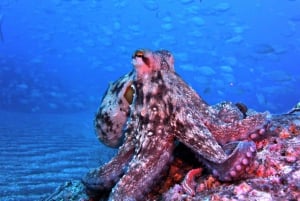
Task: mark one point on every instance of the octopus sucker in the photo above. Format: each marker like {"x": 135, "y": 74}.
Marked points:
{"x": 150, "y": 111}
{"x": 240, "y": 155}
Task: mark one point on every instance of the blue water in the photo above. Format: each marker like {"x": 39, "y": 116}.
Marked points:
{"x": 58, "y": 56}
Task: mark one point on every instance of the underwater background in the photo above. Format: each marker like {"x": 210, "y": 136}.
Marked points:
{"x": 58, "y": 56}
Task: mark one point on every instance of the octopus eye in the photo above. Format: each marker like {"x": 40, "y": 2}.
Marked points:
{"x": 128, "y": 95}
{"x": 138, "y": 53}
{"x": 146, "y": 61}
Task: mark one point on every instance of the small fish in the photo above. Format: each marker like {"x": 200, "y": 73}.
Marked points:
{"x": 1, "y": 33}
{"x": 264, "y": 49}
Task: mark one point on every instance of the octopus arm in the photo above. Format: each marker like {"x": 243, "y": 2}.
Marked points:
{"x": 152, "y": 156}
{"x": 240, "y": 157}
{"x": 197, "y": 137}
{"x": 188, "y": 124}
{"x": 226, "y": 163}
{"x": 105, "y": 177}
{"x": 249, "y": 128}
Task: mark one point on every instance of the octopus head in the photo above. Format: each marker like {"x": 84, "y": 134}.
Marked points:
{"x": 146, "y": 61}
{"x": 114, "y": 110}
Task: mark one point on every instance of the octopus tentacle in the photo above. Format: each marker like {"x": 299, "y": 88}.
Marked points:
{"x": 144, "y": 169}
{"x": 188, "y": 127}
{"x": 250, "y": 128}
{"x": 226, "y": 112}
{"x": 198, "y": 138}
{"x": 105, "y": 177}
{"x": 227, "y": 123}
{"x": 240, "y": 156}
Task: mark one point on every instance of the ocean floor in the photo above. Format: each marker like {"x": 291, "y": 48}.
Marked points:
{"x": 41, "y": 151}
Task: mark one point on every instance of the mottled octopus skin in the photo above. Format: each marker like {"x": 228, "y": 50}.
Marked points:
{"x": 113, "y": 112}
{"x": 164, "y": 110}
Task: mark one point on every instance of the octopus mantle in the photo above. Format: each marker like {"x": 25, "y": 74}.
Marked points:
{"x": 149, "y": 113}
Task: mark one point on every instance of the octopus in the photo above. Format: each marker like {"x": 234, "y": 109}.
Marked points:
{"x": 149, "y": 111}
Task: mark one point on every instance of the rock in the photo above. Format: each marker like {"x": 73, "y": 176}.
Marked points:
{"x": 69, "y": 191}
